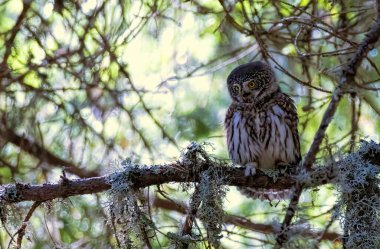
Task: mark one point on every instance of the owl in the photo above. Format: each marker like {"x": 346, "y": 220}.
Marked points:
{"x": 261, "y": 125}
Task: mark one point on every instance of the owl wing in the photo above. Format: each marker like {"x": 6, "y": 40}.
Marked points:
{"x": 290, "y": 118}
{"x": 228, "y": 126}
{"x": 228, "y": 120}
{"x": 229, "y": 114}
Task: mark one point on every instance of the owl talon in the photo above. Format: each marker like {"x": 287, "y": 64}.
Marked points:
{"x": 250, "y": 169}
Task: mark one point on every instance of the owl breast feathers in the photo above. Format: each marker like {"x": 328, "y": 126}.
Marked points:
{"x": 261, "y": 123}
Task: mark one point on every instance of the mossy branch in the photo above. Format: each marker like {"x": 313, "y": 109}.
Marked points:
{"x": 180, "y": 172}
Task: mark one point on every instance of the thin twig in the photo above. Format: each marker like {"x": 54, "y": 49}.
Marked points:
{"x": 21, "y": 231}
{"x": 243, "y": 222}
{"x": 348, "y": 74}
{"x": 195, "y": 201}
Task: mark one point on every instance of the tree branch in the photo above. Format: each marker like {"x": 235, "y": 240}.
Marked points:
{"x": 347, "y": 77}
{"x": 10, "y": 42}
{"x": 141, "y": 177}
{"x": 21, "y": 231}
{"x": 41, "y": 153}
{"x": 242, "y": 221}
{"x": 195, "y": 202}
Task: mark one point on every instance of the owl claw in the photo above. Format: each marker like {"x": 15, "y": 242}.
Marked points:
{"x": 250, "y": 169}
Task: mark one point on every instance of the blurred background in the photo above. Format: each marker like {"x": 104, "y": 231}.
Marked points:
{"x": 86, "y": 84}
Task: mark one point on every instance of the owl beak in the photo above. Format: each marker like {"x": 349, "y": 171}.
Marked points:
{"x": 246, "y": 94}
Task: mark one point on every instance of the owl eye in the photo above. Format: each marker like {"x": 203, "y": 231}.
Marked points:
{"x": 252, "y": 84}
{"x": 235, "y": 89}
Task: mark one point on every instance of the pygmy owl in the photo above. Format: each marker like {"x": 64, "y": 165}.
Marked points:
{"x": 261, "y": 125}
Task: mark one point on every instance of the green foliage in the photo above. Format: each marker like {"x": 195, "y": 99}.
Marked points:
{"x": 98, "y": 81}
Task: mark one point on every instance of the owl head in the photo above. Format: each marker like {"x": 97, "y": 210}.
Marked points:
{"x": 251, "y": 82}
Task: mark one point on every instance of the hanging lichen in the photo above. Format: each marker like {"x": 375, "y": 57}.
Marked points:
{"x": 130, "y": 223}
{"x": 10, "y": 214}
{"x": 208, "y": 195}
{"x": 359, "y": 199}
{"x": 212, "y": 194}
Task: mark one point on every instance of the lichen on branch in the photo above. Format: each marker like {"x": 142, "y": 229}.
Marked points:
{"x": 127, "y": 215}
{"x": 358, "y": 184}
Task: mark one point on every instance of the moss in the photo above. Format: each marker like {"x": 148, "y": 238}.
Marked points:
{"x": 359, "y": 199}
{"x": 127, "y": 218}
{"x": 11, "y": 193}
{"x": 212, "y": 194}
{"x": 187, "y": 239}
{"x": 10, "y": 217}
{"x": 10, "y": 214}
{"x": 209, "y": 196}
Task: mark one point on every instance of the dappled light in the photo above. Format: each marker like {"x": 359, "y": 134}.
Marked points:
{"x": 111, "y": 124}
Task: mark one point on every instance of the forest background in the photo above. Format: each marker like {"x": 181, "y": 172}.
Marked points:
{"x": 90, "y": 88}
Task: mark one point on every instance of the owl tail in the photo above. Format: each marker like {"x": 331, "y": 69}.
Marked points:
{"x": 266, "y": 194}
